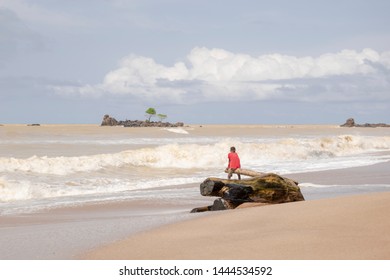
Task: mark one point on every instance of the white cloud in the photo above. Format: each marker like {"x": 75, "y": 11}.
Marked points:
{"x": 215, "y": 74}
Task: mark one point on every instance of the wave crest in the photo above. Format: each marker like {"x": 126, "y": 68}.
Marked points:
{"x": 253, "y": 153}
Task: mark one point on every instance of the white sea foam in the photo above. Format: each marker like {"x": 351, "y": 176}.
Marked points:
{"x": 19, "y": 190}
{"x": 319, "y": 153}
{"x": 178, "y": 130}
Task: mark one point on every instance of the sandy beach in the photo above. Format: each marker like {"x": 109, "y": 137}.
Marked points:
{"x": 354, "y": 227}
{"x": 346, "y": 227}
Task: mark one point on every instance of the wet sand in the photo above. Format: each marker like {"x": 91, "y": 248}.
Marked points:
{"x": 353, "y": 227}
{"x": 64, "y": 233}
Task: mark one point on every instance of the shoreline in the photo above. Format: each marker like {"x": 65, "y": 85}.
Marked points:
{"x": 65, "y": 232}
{"x": 343, "y": 182}
{"x": 370, "y": 174}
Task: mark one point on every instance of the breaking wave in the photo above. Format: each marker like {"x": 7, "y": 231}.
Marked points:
{"x": 20, "y": 190}
{"x": 187, "y": 156}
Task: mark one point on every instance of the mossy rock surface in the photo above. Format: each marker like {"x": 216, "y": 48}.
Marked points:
{"x": 269, "y": 188}
{"x": 273, "y": 188}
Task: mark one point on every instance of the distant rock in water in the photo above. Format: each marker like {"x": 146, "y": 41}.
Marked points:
{"x": 110, "y": 121}
{"x": 351, "y": 123}
{"x": 34, "y": 124}
{"x": 137, "y": 123}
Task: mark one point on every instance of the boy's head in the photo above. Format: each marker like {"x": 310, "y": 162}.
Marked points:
{"x": 233, "y": 149}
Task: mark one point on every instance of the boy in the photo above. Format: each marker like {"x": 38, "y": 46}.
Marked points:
{"x": 234, "y": 163}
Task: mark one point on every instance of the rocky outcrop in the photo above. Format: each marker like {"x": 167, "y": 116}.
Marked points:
{"x": 269, "y": 188}
{"x": 138, "y": 123}
{"x": 351, "y": 123}
{"x": 109, "y": 121}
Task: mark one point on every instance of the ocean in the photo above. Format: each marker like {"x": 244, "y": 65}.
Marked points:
{"x": 51, "y": 166}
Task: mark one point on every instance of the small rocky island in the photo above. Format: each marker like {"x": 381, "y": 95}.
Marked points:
{"x": 351, "y": 123}
{"x": 110, "y": 121}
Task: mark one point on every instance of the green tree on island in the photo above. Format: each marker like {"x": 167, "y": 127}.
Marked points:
{"x": 151, "y": 112}
{"x": 162, "y": 117}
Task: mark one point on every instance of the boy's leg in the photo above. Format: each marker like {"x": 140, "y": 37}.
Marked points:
{"x": 230, "y": 174}
{"x": 237, "y": 170}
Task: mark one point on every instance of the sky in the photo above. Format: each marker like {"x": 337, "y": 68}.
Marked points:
{"x": 198, "y": 62}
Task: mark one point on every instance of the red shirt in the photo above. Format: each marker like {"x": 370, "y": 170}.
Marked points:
{"x": 234, "y": 160}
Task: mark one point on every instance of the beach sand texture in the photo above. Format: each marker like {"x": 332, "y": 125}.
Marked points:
{"x": 353, "y": 227}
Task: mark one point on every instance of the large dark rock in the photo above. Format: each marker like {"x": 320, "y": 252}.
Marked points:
{"x": 270, "y": 188}
{"x": 109, "y": 121}
{"x": 349, "y": 123}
